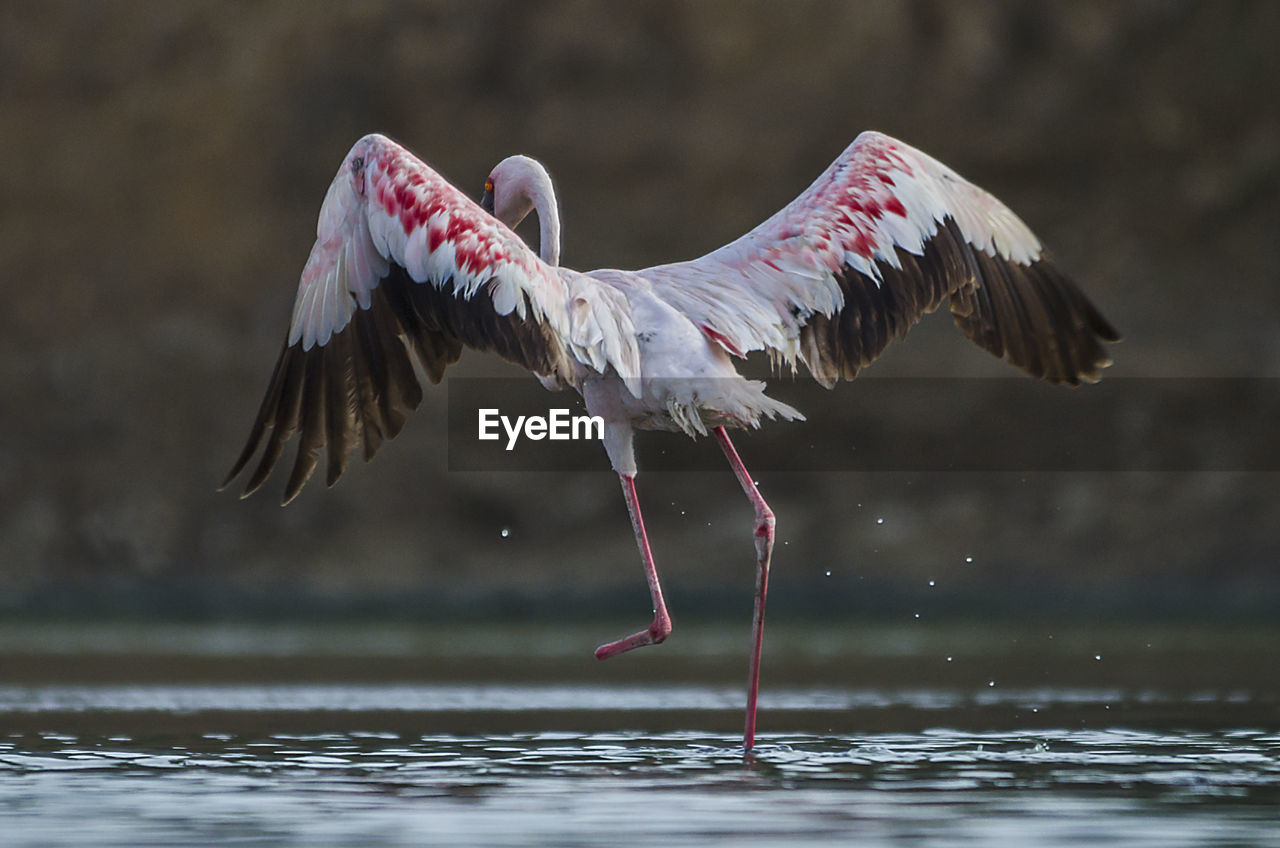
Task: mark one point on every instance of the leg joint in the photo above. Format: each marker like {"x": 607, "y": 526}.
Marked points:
{"x": 660, "y": 629}
{"x": 765, "y": 523}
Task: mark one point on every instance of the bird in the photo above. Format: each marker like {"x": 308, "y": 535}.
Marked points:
{"x": 407, "y": 268}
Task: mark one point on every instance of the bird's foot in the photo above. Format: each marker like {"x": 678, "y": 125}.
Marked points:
{"x": 655, "y": 635}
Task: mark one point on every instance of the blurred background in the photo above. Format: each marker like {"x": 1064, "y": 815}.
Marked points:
{"x": 163, "y": 165}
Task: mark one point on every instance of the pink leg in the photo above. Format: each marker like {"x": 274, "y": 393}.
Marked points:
{"x": 764, "y": 549}
{"x": 661, "y": 627}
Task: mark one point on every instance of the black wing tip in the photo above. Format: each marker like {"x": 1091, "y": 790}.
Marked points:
{"x": 227, "y": 481}
{"x": 251, "y": 444}
{"x": 356, "y": 389}
{"x": 1037, "y": 318}
{"x": 250, "y": 487}
{"x": 303, "y": 469}
{"x": 250, "y": 449}
{"x": 1107, "y": 331}
{"x": 1085, "y": 371}
{"x": 1030, "y": 314}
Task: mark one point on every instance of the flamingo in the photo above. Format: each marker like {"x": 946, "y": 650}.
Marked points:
{"x": 407, "y": 268}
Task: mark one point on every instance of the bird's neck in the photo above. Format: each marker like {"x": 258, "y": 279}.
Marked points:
{"x": 544, "y": 203}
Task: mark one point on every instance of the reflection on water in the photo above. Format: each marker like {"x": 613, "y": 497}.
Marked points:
{"x": 97, "y": 749}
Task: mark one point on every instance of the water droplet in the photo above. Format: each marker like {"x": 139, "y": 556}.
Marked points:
{"x": 682, "y": 512}
{"x": 879, "y": 521}
{"x": 917, "y": 615}
{"x": 506, "y": 532}
{"x": 1097, "y": 656}
{"x": 933, "y": 583}
{"x": 968, "y": 559}
{"x": 948, "y": 659}
{"x": 991, "y": 683}
{"x": 828, "y": 573}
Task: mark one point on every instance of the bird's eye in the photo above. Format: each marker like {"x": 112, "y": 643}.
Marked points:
{"x": 488, "y": 185}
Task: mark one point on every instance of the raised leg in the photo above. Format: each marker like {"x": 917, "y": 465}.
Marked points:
{"x": 661, "y": 627}
{"x": 764, "y": 549}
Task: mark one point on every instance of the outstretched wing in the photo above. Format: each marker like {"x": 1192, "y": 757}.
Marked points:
{"x": 882, "y": 237}
{"x": 406, "y": 267}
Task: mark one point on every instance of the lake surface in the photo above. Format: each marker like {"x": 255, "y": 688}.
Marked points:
{"x": 954, "y": 734}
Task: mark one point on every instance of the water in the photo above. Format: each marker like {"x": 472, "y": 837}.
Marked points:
{"x": 119, "y": 736}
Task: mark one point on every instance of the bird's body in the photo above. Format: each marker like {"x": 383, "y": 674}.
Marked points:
{"x": 687, "y": 380}
{"x": 406, "y": 267}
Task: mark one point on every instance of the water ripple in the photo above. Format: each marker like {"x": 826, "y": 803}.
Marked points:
{"x": 336, "y": 766}
{"x": 563, "y": 788}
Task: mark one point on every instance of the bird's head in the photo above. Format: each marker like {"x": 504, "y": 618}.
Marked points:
{"x": 514, "y": 188}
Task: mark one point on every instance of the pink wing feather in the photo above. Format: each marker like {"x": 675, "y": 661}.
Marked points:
{"x": 405, "y": 266}
{"x": 881, "y": 238}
